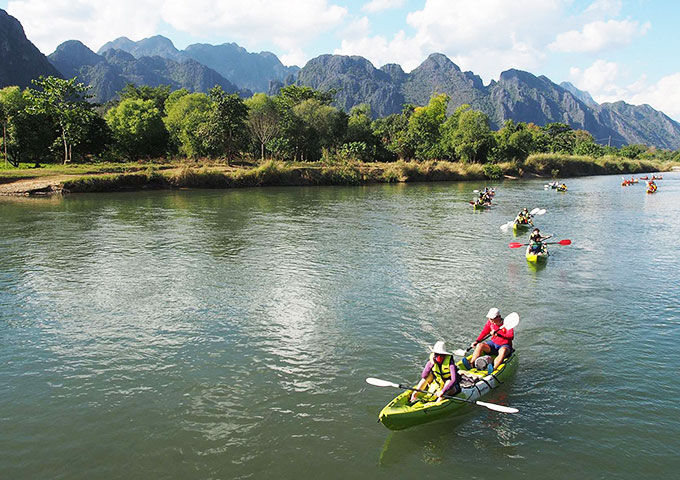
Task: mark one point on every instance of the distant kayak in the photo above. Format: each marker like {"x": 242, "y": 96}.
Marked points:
{"x": 521, "y": 226}
{"x": 400, "y": 414}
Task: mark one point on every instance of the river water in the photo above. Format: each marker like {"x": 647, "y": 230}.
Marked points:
{"x": 227, "y": 334}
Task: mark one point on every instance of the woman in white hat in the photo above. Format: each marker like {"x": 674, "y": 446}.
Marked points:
{"x": 440, "y": 368}
{"x": 499, "y": 344}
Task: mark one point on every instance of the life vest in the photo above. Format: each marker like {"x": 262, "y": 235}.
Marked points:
{"x": 442, "y": 373}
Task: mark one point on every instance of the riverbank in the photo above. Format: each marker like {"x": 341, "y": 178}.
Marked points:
{"x": 139, "y": 176}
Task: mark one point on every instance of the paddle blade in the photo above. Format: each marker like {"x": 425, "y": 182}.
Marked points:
{"x": 515, "y": 245}
{"x": 475, "y": 191}
{"x": 511, "y": 321}
{"x": 565, "y": 242}
{"x": 535, "y": 211}
{"x": 497, "y": 408}
{"x": 460, "y": 352}
{"x": 541, "y": 211}
{"x": 381, "y": 383}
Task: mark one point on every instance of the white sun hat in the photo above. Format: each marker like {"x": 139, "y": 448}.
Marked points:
{"x": 493, "y": 313}
{"x": 440, "y": 347}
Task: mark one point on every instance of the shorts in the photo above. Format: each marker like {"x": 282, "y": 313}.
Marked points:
{"x": 496, "y": 348}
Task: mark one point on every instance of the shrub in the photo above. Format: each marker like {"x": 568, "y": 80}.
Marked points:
{"x": 492, "y": 171}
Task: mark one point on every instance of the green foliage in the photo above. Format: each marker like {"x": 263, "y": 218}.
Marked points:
{"x": 224, "y": 133}
{"x": 294, "y": 95}
{"x": 471, "y": 140}
{"x": 633, "y": 151}
{"x": 65, "y": 102}
{"x": 513, "y": 142}
{"x": 424, "y": 128}
{"x": 137, "y": 128}
{"x": 320, "y": 126}
{"x": 355, "y": 151}
{"x": 492, "y": 171}
{"x": 187, "y": 113}
{"x": 158, "y": 95}
{"x": 263, "y": 119}
{"x": 12, "y": 103}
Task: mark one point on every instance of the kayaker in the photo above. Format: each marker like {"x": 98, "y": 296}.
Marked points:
{"x": 524, "y": 217}
{"x": 536, "y": 241}
{"x": 500, "y": 343}
{"x": 440, "y": 368}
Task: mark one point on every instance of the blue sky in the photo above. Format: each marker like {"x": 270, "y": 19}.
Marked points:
{"x": 615, "y": 49}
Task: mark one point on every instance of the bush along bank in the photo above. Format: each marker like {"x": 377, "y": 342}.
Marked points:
{"x": 273, "y": 172}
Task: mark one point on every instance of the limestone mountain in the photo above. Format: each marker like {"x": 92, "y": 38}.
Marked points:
{"x": 245, "y": 69}
{"x": 517, "y": 95}
{"x": 109, "y": 73}
{"x": 20, "y": 60}
{"x": 580, "y": 94}
{"x": 156, "y": 46}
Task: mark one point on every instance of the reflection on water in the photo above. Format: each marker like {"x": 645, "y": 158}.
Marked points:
{"x": 213, "y": 334}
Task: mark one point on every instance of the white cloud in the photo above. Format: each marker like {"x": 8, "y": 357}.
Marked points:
{"x": 48, "y": 23}
{"x": 380, "y": 5}
{"x": 664, "y": 95}
{"x": 289, "y": 25}
{"x": 358, "y": 28}
{"x": 604, "y": 8}
{"x": 605, "y": 81}
{"x": 485, "y": 36}
{"x": 600, "y": 80}
{"x": 598, "y": 36}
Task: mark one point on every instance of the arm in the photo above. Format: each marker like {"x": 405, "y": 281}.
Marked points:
{"x": 426, "y": 377}
{"x": 451, "y": 382}
{"x": 485, "y": 331}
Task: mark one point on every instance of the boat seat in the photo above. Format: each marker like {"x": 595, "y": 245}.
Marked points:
{"x": 468, "y": 380}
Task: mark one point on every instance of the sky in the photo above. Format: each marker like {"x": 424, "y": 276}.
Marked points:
{"x": 614, "y": 49}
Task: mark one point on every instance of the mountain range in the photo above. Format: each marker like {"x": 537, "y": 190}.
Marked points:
{"x": 517, "y": 95}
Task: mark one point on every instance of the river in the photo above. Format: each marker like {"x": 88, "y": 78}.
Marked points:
{"x": 227, "y": 334}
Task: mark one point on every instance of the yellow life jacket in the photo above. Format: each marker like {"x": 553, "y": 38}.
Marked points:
{"x": 442, "y": 373}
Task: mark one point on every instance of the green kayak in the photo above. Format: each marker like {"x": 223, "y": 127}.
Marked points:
{"x": 400, "y": 414}
{"x": 521, "y": 226}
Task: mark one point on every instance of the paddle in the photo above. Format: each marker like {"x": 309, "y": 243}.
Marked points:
{"x": 491, "y": 406}
{"x": 509, "y": 322}
{"x": 561, "y": 242}
{"x": 536, "y": 211}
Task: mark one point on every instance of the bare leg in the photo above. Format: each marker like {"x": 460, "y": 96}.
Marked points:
{"x": 479, "y": 349}
{"x": 502, "y": 353}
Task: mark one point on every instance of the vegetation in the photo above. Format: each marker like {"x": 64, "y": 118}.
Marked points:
{"x": 54, "y": 122}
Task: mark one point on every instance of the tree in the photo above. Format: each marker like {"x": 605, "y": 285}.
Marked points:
{"x": 186, "y": 114}
{"x": 473, "y": 139}
{"x": 137, "y": 128}
{"x": 632, "y": 151}
{"x": 392, "y": 132}
{"x": 157, "y": 94}
{"x": 294, "y": 95}
{"x": 561, "y": 137}
{"x": 584, "y": 144}
{"x": 64, "y": 101}
{"x": 225, "y": 132}
{"x": 424, "y": 128}
{"x": 323, "y": 127}
{"x": 263, "y": 119}
{"x": 11, "y": 104}
{"x": 513, "y": 142}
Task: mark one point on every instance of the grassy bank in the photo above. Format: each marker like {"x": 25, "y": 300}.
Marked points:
{"x": 115, "y": 177}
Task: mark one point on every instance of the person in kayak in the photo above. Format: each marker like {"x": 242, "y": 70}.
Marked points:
{"x": 500, "y": 343}
{"x": 536, "y": 241}
{"x": 524, "y": 217}
{"x": 440, "y": 368}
